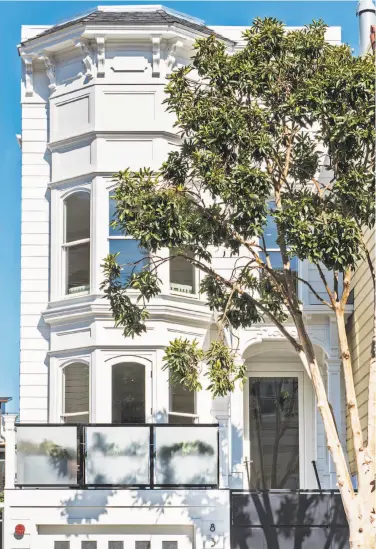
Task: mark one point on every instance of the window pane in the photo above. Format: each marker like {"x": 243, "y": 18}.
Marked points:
{"x": 276, "y": 260}
{"x": 183, "y": 401}
{"x": 61, "y": 545}
{"x": 78, "y": 268}
{"x": 128, "y": 393}
{"x": 181, "y": 275}
{"x": 76, "y": 378}
{"x": 169, "y": 545}
{"x": 77, "y": 216}
{"x": 129, "y": 253}
{"x": 88, "y": 545}
{"x": 115, "y": 545}
{"x": 113, "y": 231}
{"x": 142, "y": 545}
{"x": 274, "y": 433}
{"x": 270, "y": 233}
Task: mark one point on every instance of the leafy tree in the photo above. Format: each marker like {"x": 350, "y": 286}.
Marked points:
{"x": 259, "y": 124}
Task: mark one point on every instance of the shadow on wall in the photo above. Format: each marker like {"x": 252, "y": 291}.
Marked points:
{"x": 288, "y": 521}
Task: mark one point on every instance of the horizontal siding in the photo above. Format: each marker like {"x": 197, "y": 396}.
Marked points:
{"x": 359, "y": 332}
{"x": 35, "y": 242}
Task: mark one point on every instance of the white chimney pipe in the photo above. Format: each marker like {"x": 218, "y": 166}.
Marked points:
{"x": 366, "y": 11}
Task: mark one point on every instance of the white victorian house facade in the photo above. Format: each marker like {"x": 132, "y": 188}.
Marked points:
{"x": 106, "y": 454}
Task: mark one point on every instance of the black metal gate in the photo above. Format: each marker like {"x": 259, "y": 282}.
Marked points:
{"x": 288, "y": 520}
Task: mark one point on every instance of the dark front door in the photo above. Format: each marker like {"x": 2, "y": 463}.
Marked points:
{"x": 274, "y": 433}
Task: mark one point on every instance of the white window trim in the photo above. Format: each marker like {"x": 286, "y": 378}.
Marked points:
{"x": 63, "y": 414}
{"x": 195, "y": 415}
{"x": 72, "y": 244}
{"x": 307, "y": 418}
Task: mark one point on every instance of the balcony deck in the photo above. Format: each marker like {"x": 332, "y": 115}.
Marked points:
{"x": 124, "y": 456}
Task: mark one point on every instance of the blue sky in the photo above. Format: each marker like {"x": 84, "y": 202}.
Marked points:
{"x": 12, "y": 16}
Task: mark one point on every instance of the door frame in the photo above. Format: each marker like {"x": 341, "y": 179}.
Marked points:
{"x": 307, "y": 417}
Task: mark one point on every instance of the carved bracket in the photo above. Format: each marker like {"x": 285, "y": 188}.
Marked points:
{"x": 171, "y": 57}
{"x": 101, "y": 56}
{"x": 51, "y": 71}
{"x": 88, "y": 57}
{"x": 29, "y": 83}
{"x": 156, "y": 41}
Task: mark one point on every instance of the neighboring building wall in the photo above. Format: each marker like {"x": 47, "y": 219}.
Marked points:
{"x": 359, "y": 331}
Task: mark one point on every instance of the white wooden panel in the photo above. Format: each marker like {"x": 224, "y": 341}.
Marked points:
{"x": 35, "y": 284}
{"x": 34, "y": 251}
{"x": 70, "y": 162}
{"x": 34, "y": 366}
{"x": 30, "y": 262}
{"x": 32, "y": 415}
{"x": 34, "y": 391}
{"x": 34, "y": 111}
{"x": 72, "y": 117}
{"x": 34, "y": 297}
{"x": 35, "y": 239}
{"x": 42, "y": 170}
{"x": 34, "y": 403}
{"x": 119, "y": 154}
{"x": 34, "y": 124}
{"x": 32, "y": 215}
{"x": 29, "y": 146}
{"x": 30, "y": 275}
{"x": 38, "y": 331}
{"x": 34, "y": 159}
{"x": 34, "y": 136}
{"x": 127, "y": 110}
{"x": 35, "y": 227}
{"x": 33, "y": 379}
{"x": 34, "y": 344}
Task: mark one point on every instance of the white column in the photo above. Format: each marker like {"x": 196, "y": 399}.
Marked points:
{"x": 334, "y": 397}
{"x": 237, "y": 437}
{"x": 99, "y": 230}
{"x": 10, "y": 450}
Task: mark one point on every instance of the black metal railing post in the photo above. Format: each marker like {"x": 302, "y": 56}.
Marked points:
{"x": 151, "y": 456}
{"x": 81, "y": 455}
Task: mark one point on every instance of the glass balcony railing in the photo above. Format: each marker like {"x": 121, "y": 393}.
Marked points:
{"x": 95, "y": 456}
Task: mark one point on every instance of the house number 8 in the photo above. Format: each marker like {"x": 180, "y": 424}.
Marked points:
{"x": 212, "y": 527}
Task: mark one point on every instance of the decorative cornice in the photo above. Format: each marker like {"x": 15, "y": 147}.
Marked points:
{"x": 171, "y": 56}
{"x": 29, "y": 80}
{"x": 156, "y": 42}
{"x": 50, "y": 71}
{"x": 87, "y": 57}
{"x": 165, "y": 307}
{"x": 101, "y": 56}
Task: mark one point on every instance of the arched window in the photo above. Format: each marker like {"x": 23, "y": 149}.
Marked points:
{"x": 76, "y": 393}
{"x": 182, "y": 274}
{"x": 128, "y": 393}
{"x": 76, "y": 246}
{"x": 182, "y": 405}
{"x": 131, "y": 257}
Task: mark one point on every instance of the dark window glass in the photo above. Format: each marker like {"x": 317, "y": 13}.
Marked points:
{"x": 183, "y": 401}
{"x": 61, "y": 545}
{"x": 182, "y": 274}
{"x": 169, "y": 545}
{"x": 78, "y": 268}
{"x": 270, "y": 233}
{"x": 115, "y": 545}
{"x": 274, "y": 433}
{"x": 142, "y": 545}
{"x": 113, "y": 231}
{"x": 130, "y": 252}
{"x": 88, "y": 545}
{"x": 77, "y": 217}
{"x": 128, "y": 393}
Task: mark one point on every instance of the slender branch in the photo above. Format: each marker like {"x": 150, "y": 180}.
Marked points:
{"x": 315, "y": 293}
{"x": 325, "y": 282}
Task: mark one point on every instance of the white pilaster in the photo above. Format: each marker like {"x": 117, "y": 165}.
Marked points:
{"x": 237, "y": 436}
{"x": 334, "y": 396}
{"x": 10, "y": 450}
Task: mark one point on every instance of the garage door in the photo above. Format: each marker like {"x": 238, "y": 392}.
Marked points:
{"x": 113, "y": 538}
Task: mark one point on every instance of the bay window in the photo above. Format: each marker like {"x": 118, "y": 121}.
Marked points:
{"x": 76, "y": 244}
{"x": 76, "y": 393}
{"x": 131, "y": 257}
